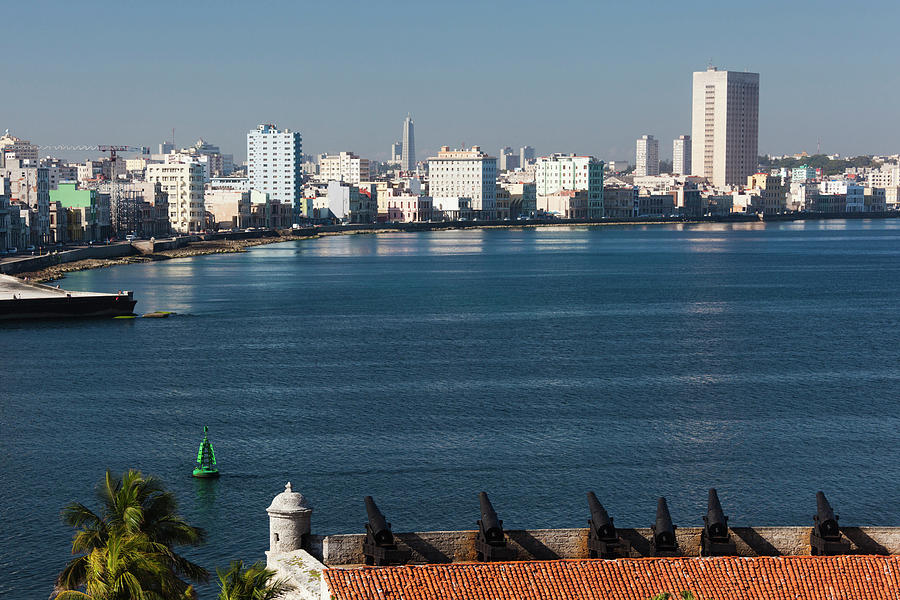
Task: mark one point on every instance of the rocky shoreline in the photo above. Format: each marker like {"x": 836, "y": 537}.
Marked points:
{"x": 194, "y": 249}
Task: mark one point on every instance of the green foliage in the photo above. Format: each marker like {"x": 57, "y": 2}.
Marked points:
{"x": 129, "y": 567}
{"x": 685, "y": 595}
{"x": 138, "y": 515}
{"x": 817, "y": 161}
{"x": 252, "y": 583}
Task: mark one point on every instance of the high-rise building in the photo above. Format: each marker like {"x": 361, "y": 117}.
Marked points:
{"x": 275, "y": 164}
{"x": 526, "y": 156}
{"x": 183, "y": 183}
{"x": 646, "y": 160}
{"x": 508, "y": 160}
{"x": 408, "y": 156}
{"x": 346, "y": 167}
{"x": 396, "y": 152}
{"x": 465, "y": 174}
{"x": 725, "y": 126}
{"x": 681, "y": 155}
{"x": 559, "y": 173}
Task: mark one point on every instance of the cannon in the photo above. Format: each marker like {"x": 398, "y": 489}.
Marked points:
{"x": 663, "y": 542}
{"x": 826, "y": 538}
{"x": 715, "y": 539}
{"x": 379, "y": 546}
{"x": 603, "y": 539}
{"x": 490, "y": 542}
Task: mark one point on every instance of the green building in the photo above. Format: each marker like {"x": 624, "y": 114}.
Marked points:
{"x": 87, "y": 212}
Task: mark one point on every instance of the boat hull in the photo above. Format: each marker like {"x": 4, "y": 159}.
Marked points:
{"x": 62, "y": 308}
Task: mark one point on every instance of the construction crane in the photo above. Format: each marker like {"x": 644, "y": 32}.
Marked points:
{"x": 113, "y": 149}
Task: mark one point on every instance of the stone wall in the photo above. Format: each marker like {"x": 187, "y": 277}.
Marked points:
{"x": 152, "y": 246}
{"x": 302, "y": 572}
{"x": 35, "y": 263}
{"x": 549, "y": 544}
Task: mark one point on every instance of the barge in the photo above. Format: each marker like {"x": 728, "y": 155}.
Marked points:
{"x": 24, "y": 300}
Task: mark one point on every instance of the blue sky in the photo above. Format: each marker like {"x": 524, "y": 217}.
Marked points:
{"x": 563, "y": 76}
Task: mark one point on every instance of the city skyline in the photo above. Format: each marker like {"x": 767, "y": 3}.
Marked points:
{"x": 357, "y": 107}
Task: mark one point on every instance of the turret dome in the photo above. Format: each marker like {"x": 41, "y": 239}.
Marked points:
{"x": 289, "y": 502}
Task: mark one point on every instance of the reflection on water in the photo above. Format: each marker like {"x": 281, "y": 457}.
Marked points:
{"x": 205, "y": 494}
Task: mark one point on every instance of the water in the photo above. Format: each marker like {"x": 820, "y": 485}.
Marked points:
{"x": 424, "y": 368}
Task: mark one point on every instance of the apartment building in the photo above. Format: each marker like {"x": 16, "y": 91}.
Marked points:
{"x": 183, "y": 184}
{"x": 560, "y": 172}
{"x": 466, "y": 174}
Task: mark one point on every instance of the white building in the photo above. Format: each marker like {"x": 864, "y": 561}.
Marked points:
{"x": 567, "y": 172}
{"x": 725, "y": 126}
{"x": 396, "y": 152}
{"x": 407, "y": 208}
{"x": 855, "y": 193}
{"x": 346, "y": 167}
{"x": 408, "y": 146}
{"x": 646, "y": 157}
{"x": 465, "y": 174}
{"x": 183, "y": 182}
{"x": 230, "y": 182}
{"x": 681, "y": 155}
{"x": 13, "y": 147}
{"x": 887, "y": 176}
{"x": 275, "y": 164}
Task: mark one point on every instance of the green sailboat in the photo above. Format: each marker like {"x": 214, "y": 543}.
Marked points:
{"x": 206, "y": 458}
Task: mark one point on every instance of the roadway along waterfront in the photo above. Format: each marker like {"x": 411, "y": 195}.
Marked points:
{"x": 422, "y": 368}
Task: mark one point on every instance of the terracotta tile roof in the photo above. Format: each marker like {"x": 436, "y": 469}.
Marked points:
{"x": 731, "y": 578}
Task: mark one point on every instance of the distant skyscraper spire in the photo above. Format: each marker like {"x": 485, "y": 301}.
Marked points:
{"x": 408, "y": 158}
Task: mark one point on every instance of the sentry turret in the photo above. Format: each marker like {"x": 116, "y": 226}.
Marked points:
{"x": 603, "y": 539}
{"x": 379, "y": 547}
{"x": 826, "y": 538}
{"x": 715, "y": 539}
{"x": 663, "y": 542}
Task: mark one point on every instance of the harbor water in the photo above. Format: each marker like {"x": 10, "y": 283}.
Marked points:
{"x": 423, "y": 368}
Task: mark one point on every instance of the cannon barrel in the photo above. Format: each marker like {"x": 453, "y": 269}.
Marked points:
{"x": 715, "y": 520}
{"x": 491, "y": 525}
{"x": 378, "y": 525}
{"x": 826, "y": 520}
{"x": 601, "y": 522}
{"x": 663, "y": 530}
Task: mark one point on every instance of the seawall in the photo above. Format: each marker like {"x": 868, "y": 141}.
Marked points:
{"x": 36, "y": 263}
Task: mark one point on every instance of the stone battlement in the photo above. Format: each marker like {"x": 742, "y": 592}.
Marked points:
{"x": 433, "y": 547}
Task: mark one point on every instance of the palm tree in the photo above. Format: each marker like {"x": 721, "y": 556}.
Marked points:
{"x": 129, "y": 567}
{"x": 253, "y": 583}
{"x": 130, "y": 505}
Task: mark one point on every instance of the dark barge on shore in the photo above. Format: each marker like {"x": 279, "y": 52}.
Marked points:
{"x": 23, "y": 300}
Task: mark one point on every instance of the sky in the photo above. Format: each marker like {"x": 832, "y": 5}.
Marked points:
{"x": 563, "y": 76}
